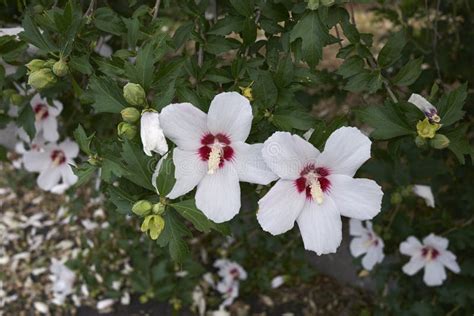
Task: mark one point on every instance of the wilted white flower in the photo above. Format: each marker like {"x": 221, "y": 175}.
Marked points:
{"x": 151, "y": 134}
{"x": 105, "y": 304}
{"x": 316, "y": 188}
{"x": 199, "y": 300}
{"x": 63, "y": 281}
{"x": 53, "y": 164}
{"x": 230, "y": 270}
{"x": 212, "y": 154}
{"x": 425, "y": 192}
{"x": 41, "y": 307}
{"x": 432, "y": 255}
{"x": 366, "y": 241}
{"x": 277, "y": 281}
{"x": 125, "y": 299}
{"x": 426, "y": 107}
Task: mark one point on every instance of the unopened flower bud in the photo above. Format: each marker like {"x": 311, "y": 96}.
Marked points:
{"x": 94, "y": 160}
{"x": 130, "y": 114}
{"x": 126, "y": 130}
{"x": 142, "y": 207}
{"x": 41, "y": 79}
{"x": 16, "y": 99}
{"x": 440, "y": 141}
{"x": 327, "y": 3}
{"x": 420, "y": 141}
{"x": 35, "y": 65}
{"x": 158, "y": 208}
{"x": 134, "y": 94}
{"x": 60, "y": 68}
{"x": 396, "y": 198}
{"x": 313, "y": 4}
{"x": 154, "y": 224}
{"x": 426, "y": 129}
{"x": 38, "y": 9}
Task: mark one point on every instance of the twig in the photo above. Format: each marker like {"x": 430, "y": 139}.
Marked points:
{"x": 435, "y": 40}
{"x": 338, "y": 36}
{"x": 156, "y": 8}
{"x": 91, "y": 9}
{"x": 468, "y": 222}
{"x": 351, "y": 8}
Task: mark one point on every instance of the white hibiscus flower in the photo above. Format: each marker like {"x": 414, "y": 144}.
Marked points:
{"x": 366, "y": 241}
{"x": 46, "y": 117}
{"x": 432, "y": 255}
{"x": 425, "y": 192}
{"x": 230, "y": 270}
{"x": 212, "y": 154}
{"x": 316, "y": 188}
{"x": 53, "y": 164}
{"x": 63, "y": 281}
{"x": 152, "y": 134}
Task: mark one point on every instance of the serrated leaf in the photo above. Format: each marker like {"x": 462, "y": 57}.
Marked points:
{"x": 459, "y": 144}
{"x": 386, "y": 121}
{"x": 227, "y": 25}
{"x": 288, "y": 119}
{"x": 83, "y": 140}
{"x": 26, "y": 119}
{"x": 166, "y": 180}
{"x": 81, "y": 64}
{"x": 138, "y": 165}
{"x": 243, "y": 7}
{"x": 172, "y": 235}
{"x": 392, "y": 50}
{"x": 121, "y": 199}
{"x": 351, "y": 67}
{"x": 33, "y": 35}
{"x": 409, "y": 72}
{"x": 107, "y": 96}
{"x": 314, "y": 35}
{"x": 451, "y": 104}
{"x": 84, "y": 173}
{"x": 188, "y": 210}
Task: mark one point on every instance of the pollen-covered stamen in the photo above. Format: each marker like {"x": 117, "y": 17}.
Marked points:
{"x": 58, "y": 157}
{"x": 429, "y": 253}
{"x": 214, "y": 158}
{"x": 41, "y": 111}
{"x": 314, "y": 182}
{"x": 372, "y": 240}
{"x": 315, "y": 188}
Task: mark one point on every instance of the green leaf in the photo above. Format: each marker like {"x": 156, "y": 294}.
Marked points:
{"x": 287, "y": 119}
{"x": 110, "y": 167}
{"x": 105, "y": 19}
{"x": 408, "y": 73}
{"x": 188, "y": 210}
{"x": 33, "y": 35}
{"x": 351, "y": 67}
{"x": 121, "y": 199}
{"x": 459, "y": 144}
{"x": 133, "y": 28}
{"x": 139, "y": 167}
{"x": 264, "y": 88}
{"x": 84, "y": 172}
{"x": 450, "y": 106}
{"x": 243, "y": 7}
{"x": 322, "y": 131}
{"x": 227, "y": 25}
{"x": 172, "y": 235}
{"x": 314, "y": 35}
{"x": 143, "y": 70}
{"x": 26, "y": 119}
{"x": 386, "y": 121}
{"x": 107, "y": 96}
{"x": 83, "y": 140}
{"x": 81, "y": 64}
{"x": 392, "y": 50}
{"x": 165, "y": 180}
{"x": 366, "y": 80}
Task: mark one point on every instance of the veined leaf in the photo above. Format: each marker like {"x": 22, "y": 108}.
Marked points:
{"x": 107, "y": 96}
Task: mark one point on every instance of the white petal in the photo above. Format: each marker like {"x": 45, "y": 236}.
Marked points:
{"x": 151, "y": 134}
{"x": 320, "y": 226}
{"x": 287, "y": 154}
{"x": 68, "y": 175}
{"x": 49, "y": 178}
{"x": 250, "y": 165}
{"x": 448, "y": 259}
{"x": 50, "y": 129}
{"x": 36, "y": 161}
{"x": 60, "y": 188}
{"x": 184, "y": 124}
{"x": 422, "y": 104}
{"x": 435, "y": 273}
{"x": 411, "y": 246}
{"x": 189, "y": 170}
{"x": 414, "y": 265}
{"x": 218, "y": 194}
{"x": 56, "y": 109}
{"x": 70, "y": 148}
{"x": 280, "y": 207}
{"x": 358, "y": 246}
{"x": 230, "y": 114}
{"x": 371, "y": 258}
{"x": 440, "y": 243}
{"x": 424, "y": 191}
{"x": 356, "y": 198}
{"x": 356, "y": 228}
{"x": 345, "y": 151}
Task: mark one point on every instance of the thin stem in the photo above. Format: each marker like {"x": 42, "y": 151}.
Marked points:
{"x": 351, "y": 8}
{"x": 338, "y": 36}
{"x": 435, "y": 40}
{"x": 386, "y": 84}
{"x": 156, "y": 8}
{"x": 91, "y": 9}
{"x": 469, "y": 222}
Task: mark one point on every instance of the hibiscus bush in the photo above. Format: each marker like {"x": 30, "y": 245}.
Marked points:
{"x": 209, "y": 128}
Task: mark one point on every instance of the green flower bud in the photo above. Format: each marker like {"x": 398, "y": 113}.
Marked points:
{"x": 158, "y": 208}
{"x": 16, "y": 99}
{"x": 407, "y": 191}
{"x": 94, "y": 160}
{"x": 49, "y": 63}
{"x": 420, "y": 141}
{"x": 327, "y": 3}
{"x": 38, "y": 9}
{"x": 126, "y": 130}
{"x": 154, "y": 224}
{"x": 134, "y": 94}
{"x": 35, "y": 65}
{"x": 440, "y": 141}
{"x": 60, "y": 68}
{"x": 396, "y": 198}
{"x": 313, "y": 4}
{"x": 41, "y": 79}
{"x": 142, "y": 207}
{"x": 130, "y": 114}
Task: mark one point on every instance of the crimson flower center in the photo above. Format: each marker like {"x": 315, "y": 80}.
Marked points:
{"x": 216, "y": 150}
{"x": 429, "y": 253}
{"x": 314, "y": 182}
{"x": 58, "y": 157}
{"x": 41, "y": 111}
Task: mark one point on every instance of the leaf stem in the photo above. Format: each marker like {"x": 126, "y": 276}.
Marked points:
{"x": 156, "y": 8}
